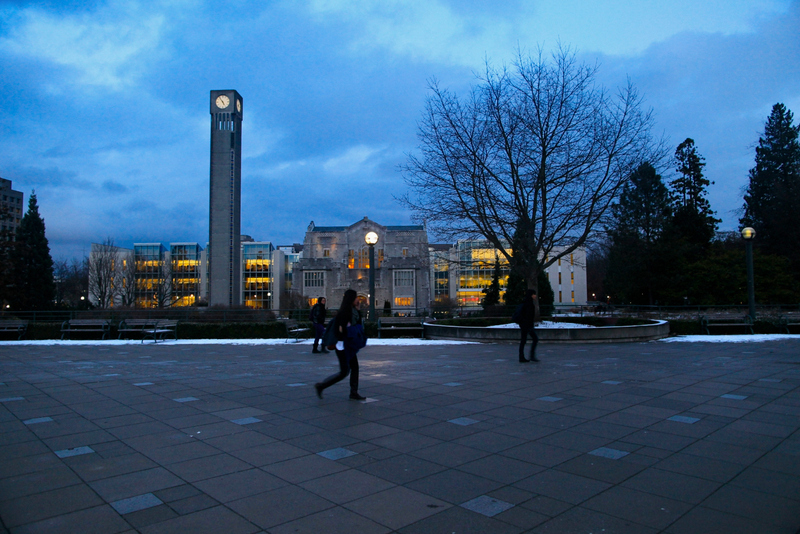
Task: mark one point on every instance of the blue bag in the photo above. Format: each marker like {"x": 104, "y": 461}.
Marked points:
{"x": 356, "y": 337}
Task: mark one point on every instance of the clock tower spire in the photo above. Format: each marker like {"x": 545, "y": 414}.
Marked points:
{"x": 224, "y": 263}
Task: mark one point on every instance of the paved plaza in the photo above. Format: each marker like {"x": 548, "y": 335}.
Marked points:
{"x": 614, "y": 438}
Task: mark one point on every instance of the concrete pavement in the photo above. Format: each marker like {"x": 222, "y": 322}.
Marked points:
{"x": 630, "y": 438}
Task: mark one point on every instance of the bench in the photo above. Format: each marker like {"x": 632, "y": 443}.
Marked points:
{"x": 399, "y": 325}
{"x": 135, "y": 326}
{"x": 14, "y": 326}
{"x": 162, "y": 329}
{"x": 725, "y": 320}
{"x": 84, "y": 326}
{"x": 787, "y": 320}
{"x": 294, "y": 329}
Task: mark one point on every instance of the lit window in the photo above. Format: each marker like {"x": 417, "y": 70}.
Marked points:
{"x": 404, "y": 301}
{"x": 326, "y": 253}
{"x": 559, "y": 297}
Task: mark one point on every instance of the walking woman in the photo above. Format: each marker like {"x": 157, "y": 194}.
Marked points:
{"x": 346, "y": 346}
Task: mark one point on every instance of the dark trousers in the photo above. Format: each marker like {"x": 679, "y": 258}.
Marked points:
{"x": 526, "y": 331}
{"x": 319, "y": 330}
{"x": 348, "y": 364}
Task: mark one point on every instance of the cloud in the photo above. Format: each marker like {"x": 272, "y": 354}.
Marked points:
{"x": 51, "y": 177}
{"x": 108, "y": 48}
{"x": 463, "y": 33}
{"x": 356, "y": 159}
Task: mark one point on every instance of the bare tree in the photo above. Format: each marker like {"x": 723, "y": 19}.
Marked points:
{"x": 72, "y": 282}
{"x": 127, "y": 290}
{"x": 104, "y": 279}
{"x": 533, "y": 158}
{"x": 162, "y": 285}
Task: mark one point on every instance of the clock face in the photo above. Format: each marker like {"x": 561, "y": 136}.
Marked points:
{"x": 223, "y": 101}
{"x": 238, "y": 105}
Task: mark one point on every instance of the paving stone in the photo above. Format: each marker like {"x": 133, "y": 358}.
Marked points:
{"x": 487, "y": 506}
{"x": 77, "y": 451}
{"x": 738, "y": 460}
{"x": 136, "y": 503}
{"x": 336, "y": 454}
{"x": 398, "y": 507}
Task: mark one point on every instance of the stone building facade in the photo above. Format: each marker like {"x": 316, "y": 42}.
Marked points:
{"x": 336, "y": 258}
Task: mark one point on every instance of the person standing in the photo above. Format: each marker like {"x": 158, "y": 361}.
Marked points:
{"x": 527, "y": 318}
{"x": 347, "y": 321}
{"x": 318, "y": 313}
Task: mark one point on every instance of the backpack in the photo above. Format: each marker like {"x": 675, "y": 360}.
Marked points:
{"x": 517, "y": 317}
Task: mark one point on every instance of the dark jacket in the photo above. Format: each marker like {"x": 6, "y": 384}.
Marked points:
{"x": 342, "y": 320}
{"x": 318, "y": 313}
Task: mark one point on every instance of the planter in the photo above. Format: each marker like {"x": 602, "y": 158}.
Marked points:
{"x": 601, "y": 334}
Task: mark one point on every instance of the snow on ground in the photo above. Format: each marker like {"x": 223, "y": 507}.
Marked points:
{"x": 545, "y": 324}
{"x": 757, "y": 338}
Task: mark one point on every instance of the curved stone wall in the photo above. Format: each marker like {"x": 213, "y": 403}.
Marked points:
{"x": 600, "y": 334}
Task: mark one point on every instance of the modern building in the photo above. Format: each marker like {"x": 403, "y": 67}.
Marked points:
{"x": 11, "y": 207}
{"x": 336, "y": 258}
{"x": 224, "y": 265}
{"x": 262, "y": 273}
{"x": 462, "y": 271}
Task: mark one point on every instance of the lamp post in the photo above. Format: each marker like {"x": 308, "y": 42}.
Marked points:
{"x": 371, "y": 238}
{"x": 749, "y": 234}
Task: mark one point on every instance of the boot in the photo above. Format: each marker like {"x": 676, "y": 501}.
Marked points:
{"x": 522, "y": 358}
{"x": 315, "y": 351}
{"x": 534, "y": 358}
{"x": 324, "y": 350}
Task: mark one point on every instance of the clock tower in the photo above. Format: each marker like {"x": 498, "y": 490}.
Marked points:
{"x": 224, "y": 263}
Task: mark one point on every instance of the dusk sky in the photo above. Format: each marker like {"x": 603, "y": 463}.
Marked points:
{"x": 105, "y": 104}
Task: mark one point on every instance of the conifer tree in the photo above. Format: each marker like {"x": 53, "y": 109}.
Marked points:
{"x": 34, "y": 287}
{"x": 693, "y": 219}
{"x": 636, "y": 267}
{"x": 772, "y": 198}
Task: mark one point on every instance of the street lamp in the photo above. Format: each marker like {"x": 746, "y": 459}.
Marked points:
{"x": 749, "y": 234}
{"x": 371, "y": 238}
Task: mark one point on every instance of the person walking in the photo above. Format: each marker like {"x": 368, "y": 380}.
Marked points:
{"x": 347, "y": 321}
{"x": 317, "y": 317}
{"x": 527, "y": 318}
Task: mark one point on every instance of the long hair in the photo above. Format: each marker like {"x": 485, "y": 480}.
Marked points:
{"x": 346, "y": 309}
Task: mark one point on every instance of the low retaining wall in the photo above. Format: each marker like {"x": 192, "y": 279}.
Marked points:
{"x": 600, "y": 334}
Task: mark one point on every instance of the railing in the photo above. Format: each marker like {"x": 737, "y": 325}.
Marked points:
{"x": 222, "y": 315}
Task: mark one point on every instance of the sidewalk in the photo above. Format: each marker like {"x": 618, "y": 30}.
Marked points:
{"x": 615, "y": 438}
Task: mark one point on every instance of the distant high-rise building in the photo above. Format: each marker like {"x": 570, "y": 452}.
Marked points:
{"x": 224, "y": 267}
{"x": 10, "y": 210}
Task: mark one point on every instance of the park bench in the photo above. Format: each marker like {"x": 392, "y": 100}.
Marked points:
{"x": 787, "y": 320}
{"x": 145, "y": 328}
{"x": 83, "y": 326}
{"x": 162, "y": 329}
{"x": 294, "y": 329}
{"x": 726, "y": 321}
{"x": 14, "y": 327}
{"x": 400, "y": 325}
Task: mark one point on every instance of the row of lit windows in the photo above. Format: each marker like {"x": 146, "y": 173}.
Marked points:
{"x": 360, "y": 260}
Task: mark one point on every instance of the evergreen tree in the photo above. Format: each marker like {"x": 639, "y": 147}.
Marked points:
{"x": 772, "y": 198}
{"x": 636, "y": 270}
{"x": 546, "y": 295}
{"x": 491, "y": 295}
{"x": 34, "y": 287}
{"x": 693, "y": 219}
